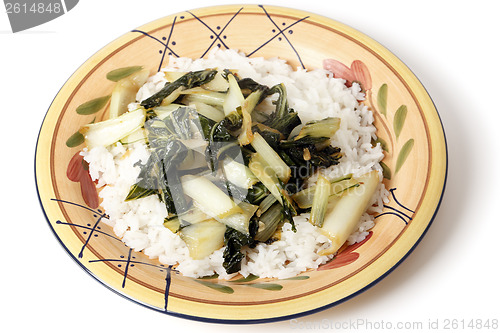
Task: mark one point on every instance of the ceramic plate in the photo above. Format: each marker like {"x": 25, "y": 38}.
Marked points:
{"x": 408, "y": 125}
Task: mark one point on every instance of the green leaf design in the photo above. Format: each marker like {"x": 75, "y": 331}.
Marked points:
{"x": 386, "y": 172}
{"x": 399, "y": 119}
{"x": 266, "y": 286}
{"x": 382, "y": 142}
{"x": 382, "y": 99}
{"x": 75, "y": 140}
{"x": 92, "y": 106}
{"x": 121, "y": 73}
{"x": 249, "y": 278}
{"x": 403, "y": 154}
{"x": 219, "y": 287}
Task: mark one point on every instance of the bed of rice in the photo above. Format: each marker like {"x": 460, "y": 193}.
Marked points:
{"x": 314, "y": 95}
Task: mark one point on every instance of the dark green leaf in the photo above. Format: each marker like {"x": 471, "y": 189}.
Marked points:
{"x": 270, "y": 220}
{"x": 233, "y": 121}
{"x": 382, "y": 99}
{"x": 93, "y": 106}
{"x": 399, "y": 119}
{"x": 256, "y": 193}
{"x": 284, "y": 124}
{"x": 121, "y": 73}
{"x": 271, "y": 135}
{"x": 234, "y": 241}
{"x": 137, "y": 192}
{"x": 248, "y": 84}
{"x": 75, "y": 140}
{"x": 289, "y": 210}
{"x": 206, "y": 125}
{"x": 403, "y": 154}
{"x": 160, "y": 174}
{"x": 283, "y": 119}
{"x": 189, "y": 80}
{"x": 282, "y": 101}
{"x": 220, "y": 141}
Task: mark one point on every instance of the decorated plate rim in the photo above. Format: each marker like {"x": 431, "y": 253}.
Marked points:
{"x": 217, "y": 10}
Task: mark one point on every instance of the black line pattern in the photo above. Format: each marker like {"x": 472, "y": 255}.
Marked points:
{"x": 92, "y": 230}
{"x": 129, "y": 262}
{"x": 216, "y": 36}
{"x": 218, "y": 39}
{"x": 166, "y": 42}
{"x": 280, "y": 34}
{"x": 397, "y": 212}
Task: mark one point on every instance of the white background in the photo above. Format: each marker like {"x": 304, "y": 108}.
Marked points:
{"x": 451, "y": 46}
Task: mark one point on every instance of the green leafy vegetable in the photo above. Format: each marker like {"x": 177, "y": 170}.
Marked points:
{"x": 320, "y": 201}
{"x": 269, "y": 221}
{"x": 271, "y": 157}
{"x": 342, "y": 219}
{"x": 187, "y": 81}
{"x": 234, "y": 241}
{"x": 229, "y": 171}
{"x": 283, "y": 119}
{"x": 110, "y": 131}
{"x": 324, "y": 128}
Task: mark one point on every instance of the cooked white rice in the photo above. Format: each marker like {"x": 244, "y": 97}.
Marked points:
{"x": 314, "y": 95}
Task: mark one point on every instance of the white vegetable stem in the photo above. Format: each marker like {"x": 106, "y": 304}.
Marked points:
{"x": 163, "y": 112}
{"x": 249, "y": 104}
{"x": 218, "y": 83}
{"x": 208, "y": 111}
{"x": 202, "y": 239}
{"x": 234, "y": 97}
{"x": 240, "y": 221}
{"x": 110, "y": 131}
{"x": 208, "y": 197}
{"x": 266, "y": 175}
{"x": 239, "y": 174}
{"x": 320, "y": 201}
{"x": 271, "y": 157}
{"x": 342, "y": 220}
{"x": 125, "y": 92}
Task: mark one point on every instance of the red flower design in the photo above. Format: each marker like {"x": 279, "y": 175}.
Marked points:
{"x": 78, "y": 171}
{"x": 346, "y": 257}
{"x": 358, "y": 72}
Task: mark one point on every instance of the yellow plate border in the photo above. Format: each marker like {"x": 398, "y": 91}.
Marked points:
{"x": 282, "y": 310}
